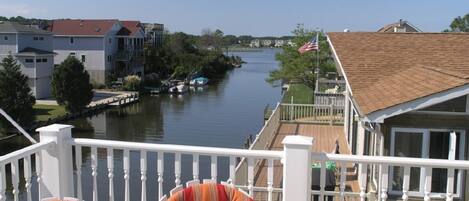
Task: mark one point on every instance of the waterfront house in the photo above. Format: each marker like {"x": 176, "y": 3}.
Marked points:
{"x": 256, "y": 43}
{"x": 401, "y": 26}
{"x": 407, "y": 96}
{"x": 104, "y": 46}
{"x": 32, "y": 48}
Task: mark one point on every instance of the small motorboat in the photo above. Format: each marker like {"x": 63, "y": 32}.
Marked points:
{"x": 200, "y": 81}
{"x": 182, "y": 88}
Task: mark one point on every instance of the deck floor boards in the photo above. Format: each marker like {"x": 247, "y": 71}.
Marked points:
{"x": 325, "y": 137}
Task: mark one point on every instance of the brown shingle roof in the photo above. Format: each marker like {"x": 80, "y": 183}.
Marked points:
{"x": 130, "y": 28}
{"x": 388, "y": 69}
{"x": 79, "y": 27}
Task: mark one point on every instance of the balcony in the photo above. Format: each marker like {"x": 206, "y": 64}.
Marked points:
{"x": 54, "y": 167}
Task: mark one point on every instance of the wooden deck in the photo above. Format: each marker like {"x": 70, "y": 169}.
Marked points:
{"x": 325, "y": 137}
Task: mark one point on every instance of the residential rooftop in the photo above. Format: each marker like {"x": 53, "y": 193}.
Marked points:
{"x": 14, "y": 27}
{"x": 388, "y": 69}
{"x": 82, "y": 27}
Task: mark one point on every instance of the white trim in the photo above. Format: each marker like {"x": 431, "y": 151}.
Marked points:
{"x": 380, "y": 115}
{"x": 425, "y": 154}
{"x": 440, "y": 113}
{"x": 90, "y": 36}
{"x": 467, "y": 104}
{"x": 336, "y": 57}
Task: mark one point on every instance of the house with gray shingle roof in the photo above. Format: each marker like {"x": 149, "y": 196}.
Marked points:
{"x": 407, "y": 95}
{"x": 33, "y": 50}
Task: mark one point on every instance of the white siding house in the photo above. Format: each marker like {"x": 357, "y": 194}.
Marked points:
{"x": 32, "y": 49}
{"x": 94, "y": 42}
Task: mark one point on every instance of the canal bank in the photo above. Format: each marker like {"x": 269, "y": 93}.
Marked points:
{"x": 223, "y": 115}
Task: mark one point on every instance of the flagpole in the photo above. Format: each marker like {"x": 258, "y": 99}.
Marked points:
{"x": 317, "y": 58}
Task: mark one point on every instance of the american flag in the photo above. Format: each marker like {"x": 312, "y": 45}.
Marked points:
{"x": 311, "y": 45}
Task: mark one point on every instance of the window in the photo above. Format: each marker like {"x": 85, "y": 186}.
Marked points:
{"x": 38, "y": 60}
{"x": 5, "y": 37}
{"x": 109, "y": 58}
{"x": 426, "y": 143}
{"x": 72, "y": 54}
{"x": 110, "y": 40}
{"x": 83, "y": 58}
{"x": 72, "y": 40}
{"x": 29, "y": 60}
{"x": 41, "y": 38}
{"x": 35, "y": 38}
{"x": 44, "y": 60}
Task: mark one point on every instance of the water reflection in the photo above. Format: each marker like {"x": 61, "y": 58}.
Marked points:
{"x": 222, "y": 114}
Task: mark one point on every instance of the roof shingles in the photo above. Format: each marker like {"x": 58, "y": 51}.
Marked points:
{"x": 388, "y": 69}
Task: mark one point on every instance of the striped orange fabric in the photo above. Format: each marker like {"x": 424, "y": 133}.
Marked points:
{"x": 209, "y": 192}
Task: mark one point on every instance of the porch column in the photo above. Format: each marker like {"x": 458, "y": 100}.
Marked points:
{"x": 56, "y": 163}
{"x": 297, "y": 168}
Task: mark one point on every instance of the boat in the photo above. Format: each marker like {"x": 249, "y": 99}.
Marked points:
{"x": 200, "y": 81}
{"x": 179, "y": 88}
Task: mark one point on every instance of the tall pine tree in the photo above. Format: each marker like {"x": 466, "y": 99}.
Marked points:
{"x": 16, "y": 98}
{"x": 71, "y": 85}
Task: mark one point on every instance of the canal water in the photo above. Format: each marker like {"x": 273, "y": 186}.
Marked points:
{"x": 223, "y": 114}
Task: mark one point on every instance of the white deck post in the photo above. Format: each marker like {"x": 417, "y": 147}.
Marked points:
{"x": 57, "y": 166}
{"x": 297, "y": 168}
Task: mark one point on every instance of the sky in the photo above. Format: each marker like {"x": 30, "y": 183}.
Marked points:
{"x": 250, "y": 17}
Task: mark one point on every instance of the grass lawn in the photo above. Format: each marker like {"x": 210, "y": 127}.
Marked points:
{"x": 301, "y": 93}
{"x": 44, "y": 112}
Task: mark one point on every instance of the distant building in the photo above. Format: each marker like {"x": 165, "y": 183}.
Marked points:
{"x": 104, "y": 46}
{"x": 290, "y": 43}
{"x": 267, "y": 43}
{"x": 401, "y": 26}
{"x": 33, "y": 50}
{"x": 153, "y": 33}
{"x": 279, "y": 43}
{"x": 255, "y": 43}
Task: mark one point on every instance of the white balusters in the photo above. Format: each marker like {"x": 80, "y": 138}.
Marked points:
{"x": 384, "y": 182}
{"x": 78, "y": 162}
{"x": 143, "y": 172}
{"x": 270, "y": 178}
{"x": 362, "y": 181}
{"x": 94, "y": 171}
{"x": 39, "y": 173}
{"x": 428, "y": 183}
{"x": 15, "y": 175}
{"x": 110, "y": 172}
{"x": 127, "y": 174}
{"x": 213, "y": 167}
{"x": 450, "y": 185}
{"x": 406, "y": 183}
{"x": 322, "y": 180}
{"x": 160, "y": 171}
{"x": 343, "y": 170}
{"x": 195, "y": 167}
{"x": 232, "y": 178}
{"x": 2, "y": 182}
{"x": 177, "y": 169}
{"x": 251, "y": 176}
{"x": 27, "y": 176}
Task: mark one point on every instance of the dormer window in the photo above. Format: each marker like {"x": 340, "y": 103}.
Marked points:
{"x": 72, "y": 40}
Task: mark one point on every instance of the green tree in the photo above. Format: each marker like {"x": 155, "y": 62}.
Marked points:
{"x": 16, "y": 98}
{"x": 296, "y": 66}
{"x": 71, "y": 85}
{"x": 459, "y": 24}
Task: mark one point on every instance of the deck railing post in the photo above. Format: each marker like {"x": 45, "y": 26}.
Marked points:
{"x": 297, "y": 168}
{"x": 57, "y": 166}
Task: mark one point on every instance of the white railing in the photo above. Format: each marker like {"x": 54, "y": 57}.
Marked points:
{"x": 262, "y": 141}
{"x": 28, "y": 160}
{"x": 322, "y": 98}
{"x": 54, "y": 167}
{"x": 309, "y": 113}
{"x": 386, "y": 166}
